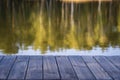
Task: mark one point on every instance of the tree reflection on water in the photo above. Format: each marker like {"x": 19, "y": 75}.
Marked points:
{"x": 58, "y": 25}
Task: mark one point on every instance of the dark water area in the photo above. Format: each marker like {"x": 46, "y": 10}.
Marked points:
{"x": 53, "y": 27}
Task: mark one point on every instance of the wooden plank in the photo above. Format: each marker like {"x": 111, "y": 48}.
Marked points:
{"x": 96, "y": 69}
{"x": 115, "y": 60}
{"x": 5, "y": 66}
{"x": 81, "y": 69}
{"x": 50, "y": 68}
{"x": 109, "y": 67}
{"x": 19, "y": 68}
{"x": 66, "y": 69}
{"x": 84, "y": 67}
{"x": 35, "y": 68}
{"x": 1, "y": 58}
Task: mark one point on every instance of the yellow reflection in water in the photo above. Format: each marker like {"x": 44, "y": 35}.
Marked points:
{"x": 54, "y": 25}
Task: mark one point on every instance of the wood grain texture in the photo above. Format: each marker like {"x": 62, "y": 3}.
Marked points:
{"x": 109, "y": 67}
{"x": 66, "y": 69}
{"x": 19, "y": 68}
{"x": 81, "y": 68}
{"x": 50, "y": 68}
{"x": 5, "y": 66}
{"x": 59, "y": 68}
{"x": 35, "y": 69}
{"x": 96, "y": 69}
{"x": 115, "y": 60}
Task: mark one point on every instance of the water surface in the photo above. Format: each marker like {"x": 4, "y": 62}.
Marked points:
{"x": 52, "y": 27}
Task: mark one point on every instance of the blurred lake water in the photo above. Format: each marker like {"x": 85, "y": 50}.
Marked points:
{"x": 52, "y": 27}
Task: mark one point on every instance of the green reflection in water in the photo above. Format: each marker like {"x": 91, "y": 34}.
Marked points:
{"x": 55, "y": 25}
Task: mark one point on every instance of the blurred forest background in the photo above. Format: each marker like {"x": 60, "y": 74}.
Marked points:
{"x": 57, "y": 25}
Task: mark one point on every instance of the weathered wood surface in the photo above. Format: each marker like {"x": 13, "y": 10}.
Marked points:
{"x": 5, "y": 66}
{"x": 109, "y": 67}
{"x": 59, "y": 68}
{"x": 81, "y": 69}
{"x": 96, "y": 69}
{"x": 50, "y": 68}
{"x": 19, "y": 68}
{"x": 34, "y": 68}
{"x": 66, "y": 69}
